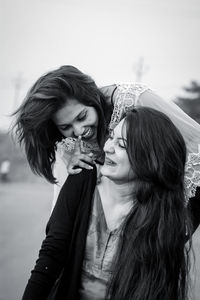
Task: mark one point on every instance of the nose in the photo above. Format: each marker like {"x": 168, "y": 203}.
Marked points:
{"x": 109, "y": 146}
{"x": 78, "y": 129}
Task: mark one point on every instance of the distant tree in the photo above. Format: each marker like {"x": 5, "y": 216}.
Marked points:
{"x": 191, "y": 102}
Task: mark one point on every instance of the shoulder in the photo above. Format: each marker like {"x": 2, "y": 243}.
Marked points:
{"x": 75, "y": 189}
{"x": 108, "y": 91}
{"x": 77, "y": 181}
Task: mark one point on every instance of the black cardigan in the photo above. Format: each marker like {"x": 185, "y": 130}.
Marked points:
{"x": 62, "y": 252}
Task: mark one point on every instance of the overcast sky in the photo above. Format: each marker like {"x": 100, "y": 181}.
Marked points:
{"x": 104, "y": 38}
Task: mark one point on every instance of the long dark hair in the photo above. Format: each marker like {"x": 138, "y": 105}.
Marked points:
{"x": 152, "y": 261}
{"x": 34, "y": 126}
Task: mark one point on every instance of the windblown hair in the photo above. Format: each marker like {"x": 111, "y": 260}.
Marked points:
{"x": 34, "y": 126}
{"x": 152, "y": 261}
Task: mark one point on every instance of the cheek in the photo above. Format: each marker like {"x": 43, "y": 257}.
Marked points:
{"x": 125, "y": 164}
{"x": 128, "y": 170}
{"x": 93, "y": 117}
{"x": 131, "y": 175}
{"x": 66, "y": 133}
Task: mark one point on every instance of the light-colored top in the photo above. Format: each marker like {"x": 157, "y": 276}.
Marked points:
{"x": 101, "y": 246}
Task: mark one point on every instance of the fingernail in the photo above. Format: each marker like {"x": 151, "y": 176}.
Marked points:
{"x": 90, "y": 154}
{"x": 90, "y": 168}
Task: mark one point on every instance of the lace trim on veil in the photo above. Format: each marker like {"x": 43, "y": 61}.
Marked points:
{"x": 126, "y": 99}
{"x": 192, "y": 174}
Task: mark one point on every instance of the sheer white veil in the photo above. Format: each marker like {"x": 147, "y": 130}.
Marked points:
{"x": 128, "y": 96}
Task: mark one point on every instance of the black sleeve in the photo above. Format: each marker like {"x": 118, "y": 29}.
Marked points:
{"x": 54, "y": 249}
{"x": 194, "y": 208}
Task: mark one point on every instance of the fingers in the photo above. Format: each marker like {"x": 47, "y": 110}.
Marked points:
{"x": 72, "y": 171}
{"x": 77, "y": 149}
{"x": 82, "y": 161}
{"x": 83, "y": 165}
{"x": 78, "y": 160}
{"x": 75, "y": 159}
{"x": 80, "y": 164}
{"x": 84, "y": 157}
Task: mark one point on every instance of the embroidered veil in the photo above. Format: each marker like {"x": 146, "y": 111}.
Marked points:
{"x": 128, "y": 96}
{"x": 133, "y": 95}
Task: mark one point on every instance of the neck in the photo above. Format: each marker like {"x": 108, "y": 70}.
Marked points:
{"x": 119, "y": 192}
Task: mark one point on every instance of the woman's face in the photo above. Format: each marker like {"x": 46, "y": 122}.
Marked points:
{"x": 75, "y": 119}
{"x": 117, "y": 166}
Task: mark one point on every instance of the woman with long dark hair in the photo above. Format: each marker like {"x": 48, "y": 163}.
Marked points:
{"x": 41, "y": 119}
{"x": 152, "y": 262}
{"x": 65, "y": 104}
{"x": 123, "y": 237}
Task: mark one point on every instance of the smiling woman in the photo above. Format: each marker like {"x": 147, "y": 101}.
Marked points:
{"x": 117, "y": 165}
{"x": 76, "y": 119}
{"x": 62, "y": 103}
{"x": 114, "y": 239}
{"x": 66, "y": 103}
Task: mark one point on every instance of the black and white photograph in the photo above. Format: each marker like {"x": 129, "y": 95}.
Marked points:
{"x": 100, "y": 150}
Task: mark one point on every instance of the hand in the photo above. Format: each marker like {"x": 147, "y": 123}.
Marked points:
{"x": 79, "y": 159}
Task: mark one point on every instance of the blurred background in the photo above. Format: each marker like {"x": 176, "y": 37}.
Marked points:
{"x": 114, "y": 41}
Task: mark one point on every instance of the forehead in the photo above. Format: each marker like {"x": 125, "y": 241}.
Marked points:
{"x": 120, "y": 129}
{"x": 68, "y": 112}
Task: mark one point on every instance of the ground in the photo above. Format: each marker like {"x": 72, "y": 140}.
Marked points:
{"x": 24, "y": 211}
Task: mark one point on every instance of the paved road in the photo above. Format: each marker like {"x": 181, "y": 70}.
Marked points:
{"x": 24, "y": 211}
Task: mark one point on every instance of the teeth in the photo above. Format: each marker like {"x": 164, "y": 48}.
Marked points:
{"x": 88, "y": 133}
{"x": 109, "y": 162}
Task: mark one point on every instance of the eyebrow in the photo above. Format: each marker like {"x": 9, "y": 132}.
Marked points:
{"x": 119, "y": 138}
{"x": 66, "y": 124}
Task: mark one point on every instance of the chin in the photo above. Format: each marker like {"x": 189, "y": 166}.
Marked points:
{"x": 107, "y": 173}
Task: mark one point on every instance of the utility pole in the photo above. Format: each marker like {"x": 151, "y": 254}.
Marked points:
{"x": 140, "y": 69}
{"x": 18, "y": 82}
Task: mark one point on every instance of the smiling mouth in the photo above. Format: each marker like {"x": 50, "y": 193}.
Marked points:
{"x": 88, "y": 134}
{"x": 109, "y": 162}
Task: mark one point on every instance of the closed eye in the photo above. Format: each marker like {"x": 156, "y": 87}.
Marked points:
{"x": 122, "y": 143}
{"x": 82, "y": 116}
